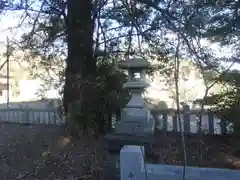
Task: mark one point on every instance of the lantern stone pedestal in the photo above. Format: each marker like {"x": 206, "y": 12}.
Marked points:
{"x": 115, "y": 143}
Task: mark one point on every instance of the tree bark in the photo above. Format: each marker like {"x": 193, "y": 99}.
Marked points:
{"x": 80, "y": 62}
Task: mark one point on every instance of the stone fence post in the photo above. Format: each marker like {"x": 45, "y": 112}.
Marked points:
{"x": 132, "y": 163}
{"x": 186, "y": 119}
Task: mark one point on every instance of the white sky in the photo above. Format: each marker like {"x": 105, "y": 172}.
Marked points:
{"x": 11, "y": 20}
{"x": 8, "y": 22}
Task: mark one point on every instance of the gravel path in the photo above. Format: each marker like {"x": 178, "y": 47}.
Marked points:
{"x": 43, "y": 152}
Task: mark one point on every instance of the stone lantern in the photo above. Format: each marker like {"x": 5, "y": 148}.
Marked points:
{"x": 136, "y": 118}
{"x": 136, "y": 126}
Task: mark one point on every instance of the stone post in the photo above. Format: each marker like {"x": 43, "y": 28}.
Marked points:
{"x": 135, "y": 169}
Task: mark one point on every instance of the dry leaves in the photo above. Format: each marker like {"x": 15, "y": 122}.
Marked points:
{"x": 43, "y": 152}
{"x": 217, "y": 151}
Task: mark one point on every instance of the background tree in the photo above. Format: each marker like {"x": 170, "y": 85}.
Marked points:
{"x": 225, "y": 103}
{"x": 137, "y": 27}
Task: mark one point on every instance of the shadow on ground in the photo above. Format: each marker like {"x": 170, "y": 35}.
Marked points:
{"x": 217, "y": 151}
{"x": 44, "y": 152}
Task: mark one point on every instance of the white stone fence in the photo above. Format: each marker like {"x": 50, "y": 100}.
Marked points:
{"x": 167, "y": 120}
{"x": 133, "y": 167}
{"x": 31, "y": 116}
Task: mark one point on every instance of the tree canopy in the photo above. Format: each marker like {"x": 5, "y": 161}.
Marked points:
{"x": 75, "y": 35}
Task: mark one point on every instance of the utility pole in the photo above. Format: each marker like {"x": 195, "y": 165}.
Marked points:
{"x": 8, "y": 84}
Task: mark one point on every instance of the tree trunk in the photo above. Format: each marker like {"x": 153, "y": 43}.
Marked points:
{"x": 80, "y": 61}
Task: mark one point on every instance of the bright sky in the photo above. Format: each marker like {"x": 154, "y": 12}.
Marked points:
{"x": 8, "y": 24}
{"x": 10, "y": 21}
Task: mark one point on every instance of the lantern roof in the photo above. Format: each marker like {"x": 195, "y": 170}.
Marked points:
{"x": 136, "y": 62}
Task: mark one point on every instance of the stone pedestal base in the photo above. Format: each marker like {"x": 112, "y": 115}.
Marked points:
{"x": 136, "y": 120}
{"x": 130, "y": 128}
{"x": 115, "y": 142}
{"x": 135, "y": 128}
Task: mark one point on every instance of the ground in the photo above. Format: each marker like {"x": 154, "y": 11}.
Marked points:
{"x": 44, "y": 152}
{"x": 217, "y": 151}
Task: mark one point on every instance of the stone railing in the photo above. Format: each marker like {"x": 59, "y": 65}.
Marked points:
{"x": 167, "y": 120}
{"x": 133, "y": 166}
{"x": 31, "y": 116}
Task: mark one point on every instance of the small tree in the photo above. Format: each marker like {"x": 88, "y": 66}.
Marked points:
{"x": 226, "y": 103}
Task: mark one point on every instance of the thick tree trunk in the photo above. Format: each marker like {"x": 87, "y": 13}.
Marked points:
{"x": 80, "y": 61}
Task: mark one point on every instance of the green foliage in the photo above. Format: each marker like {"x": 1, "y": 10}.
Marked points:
{"x": 15, "y": 88}
{"x": 226, "y": 105}
{"x": 105, "y": 97}
{"x": 162, "y": 105}
{"x": 122, "y": 28}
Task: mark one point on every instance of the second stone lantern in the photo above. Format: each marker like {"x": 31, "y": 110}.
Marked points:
{"x": 136, "y": 118}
